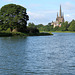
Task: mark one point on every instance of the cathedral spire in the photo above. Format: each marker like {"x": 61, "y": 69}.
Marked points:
{"x": 57, "y": 14}
{"x": 60, "y": 12}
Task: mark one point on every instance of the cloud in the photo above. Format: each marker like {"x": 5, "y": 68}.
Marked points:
{"x": 69, "y": 11}
{"x": 35, "y": 15}
{"x": 68, "y": 6}
{"x": 46, "y": 16}
{"x": 67, "y": 15}
{"x": 41, "y": 17}
{"x": 41, "y": 14}
{"x": 34, "y": 5}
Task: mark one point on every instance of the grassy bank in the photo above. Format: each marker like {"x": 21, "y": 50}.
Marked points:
{"x": 64, "y": 31}
{"x": 5, "y": 34}
{"x": 60, "y": 31}
{"x": 8, "y": 34}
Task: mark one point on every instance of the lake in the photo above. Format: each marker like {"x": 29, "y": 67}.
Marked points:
{"x": 38, "y": 55}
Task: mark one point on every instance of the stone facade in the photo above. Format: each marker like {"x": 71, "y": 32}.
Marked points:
{"x": 59, "y": 19}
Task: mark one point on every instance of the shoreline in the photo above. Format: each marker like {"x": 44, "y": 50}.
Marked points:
{"x": 10, "y": 34}
{"x": 59, "y": 31}
{"x": 64, "y": 31}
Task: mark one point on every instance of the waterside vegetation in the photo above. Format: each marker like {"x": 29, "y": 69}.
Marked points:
{"x": 65, "y": 27}
{"x": 13, "y": 22}
{"x": 8, "y": 34}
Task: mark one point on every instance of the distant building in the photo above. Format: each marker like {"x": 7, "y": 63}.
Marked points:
{"x": 59, "y": 19}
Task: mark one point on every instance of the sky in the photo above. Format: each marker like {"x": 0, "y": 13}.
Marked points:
{"x": 45, "y": 11}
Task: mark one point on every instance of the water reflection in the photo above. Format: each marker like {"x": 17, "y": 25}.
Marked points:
{"x": 38, "y": 55}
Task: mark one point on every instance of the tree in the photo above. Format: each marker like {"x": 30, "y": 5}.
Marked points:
{"x": 32, "y": 25}
{"x": 49, "y": 24}
{"x": 64, "y": 26}
{"x": 56, "y": 28}
{"x": 40, "y": 27}
{"x": 72, "y": 26}
{"x": 51, "y": 28}
{"x": 13, "y": 16}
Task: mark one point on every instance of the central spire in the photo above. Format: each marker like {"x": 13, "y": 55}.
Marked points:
{"x": 57, "y": 14}
{"x": 60, "y": 12}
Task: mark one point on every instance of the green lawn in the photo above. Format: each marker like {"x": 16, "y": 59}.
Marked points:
{"x": 59, "y": 31}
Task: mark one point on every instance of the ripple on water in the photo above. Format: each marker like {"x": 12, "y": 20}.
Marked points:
{"x": 38, "y": 55}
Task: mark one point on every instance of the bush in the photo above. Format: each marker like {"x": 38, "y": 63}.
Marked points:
{"x": 8, "y": 30}
{"x": 32, "y": 30}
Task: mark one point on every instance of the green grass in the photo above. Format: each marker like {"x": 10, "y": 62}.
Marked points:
{"x": 7, "y": 34}
{"x": 64, "y": 31}
{"x": 60, "y": 31}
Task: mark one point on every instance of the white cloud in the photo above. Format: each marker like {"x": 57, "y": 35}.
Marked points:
{"x": 69, "y": 11}
{"x": 35, "y": 15}
{"x": 68, "y": 6}
{"x": 67, "y": 15}
{"x": 34, "y": 5}
{"x": 41, "y": 14}
{"x": 43, "y": 17}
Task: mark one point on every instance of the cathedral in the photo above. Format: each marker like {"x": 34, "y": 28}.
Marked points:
{"x": 59, "y": 19}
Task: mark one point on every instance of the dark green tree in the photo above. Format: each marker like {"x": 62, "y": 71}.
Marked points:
{"x": 51, "y": 28}
{"x": 40, "y": 27}
{"x": 56, "y": 28}
{"x": 49, "y": 24}
{"x": 32, "y": 25}
{"x": 13, "y": 16}
{"x": 72, "y": 26}
{"x": 64, "y": 26}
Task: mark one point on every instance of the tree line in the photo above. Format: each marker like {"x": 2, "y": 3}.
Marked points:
{"x": 14, "y": 16}
{"x": 65, "y": 26}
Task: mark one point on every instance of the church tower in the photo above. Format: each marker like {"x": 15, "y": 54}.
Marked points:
{"x": 57, "y": 14}
{"x": 60, "y": 13}
{"x": 59, "y": 19}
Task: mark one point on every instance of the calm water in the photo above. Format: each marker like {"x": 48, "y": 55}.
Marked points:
{"x": 38, "y": 55}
